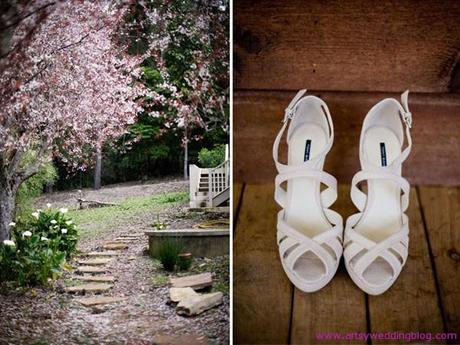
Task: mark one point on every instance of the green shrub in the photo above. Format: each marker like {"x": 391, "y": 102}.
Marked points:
{"x": 55, "y": 225}
{"x": 211, "y": 158}
{"x": 30, "y": 259}
{"x": 36, "y": 255}
{"x": 33, "y": 186}
{"x": 169, "y": 251}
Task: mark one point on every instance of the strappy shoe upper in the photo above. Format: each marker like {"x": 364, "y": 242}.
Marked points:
{"x": 293, "y": 243}
{"x": 360, "y": 251}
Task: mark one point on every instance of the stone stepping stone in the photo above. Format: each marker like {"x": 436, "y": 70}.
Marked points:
{"x": 99, "y": 279}
{"x": 115, "y": 245}
{"x": 91, "y": 287}
{"x": 91, "y": 269}
{"x": 196, "y": 282}
{"x": 135, "y": 235}
{"x": 106, "y": 253}
{"x": 94, "y": 262}
{"x": 121, "y": 240}
{"x": 127, "y": 239}
{"x": 178, "y": 294}
{"x": 98, "y": 300}
{"x": 199, "y": 304}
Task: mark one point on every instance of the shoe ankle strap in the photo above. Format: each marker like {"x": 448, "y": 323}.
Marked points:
{"x": 406, "y": 118}
{"x": 289, "y": 114}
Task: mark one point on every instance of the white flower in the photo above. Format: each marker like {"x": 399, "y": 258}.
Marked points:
{"x": 36, "y": 214}
{"x": 63, "y": 210}
{"x": 12, "y": 224}
{"x": 9, "y": 243}
{"x": 53, "y": 221}
{"x": 69, "y": 222}
{"x": 26, "y": 234}
{"x": 48, "y": 205}
{"x": 64, "y": 231}
{"x": 44, "y": 238}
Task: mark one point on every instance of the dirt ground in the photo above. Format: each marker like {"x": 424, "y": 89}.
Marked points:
{"x": 113, "y": 193}
{"x": 52, "y": 316}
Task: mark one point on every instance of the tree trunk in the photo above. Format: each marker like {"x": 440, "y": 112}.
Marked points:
{"x": 98, "y": 168}
{"x": 7, "y": 207}
{"x": 186, "y": 155}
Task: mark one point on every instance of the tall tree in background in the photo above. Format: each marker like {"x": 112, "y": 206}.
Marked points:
{"x": 187, "y": 68}
{"x": 65, "y": 88}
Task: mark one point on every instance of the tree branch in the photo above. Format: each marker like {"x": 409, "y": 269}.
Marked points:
{"x": 20, "y": 19}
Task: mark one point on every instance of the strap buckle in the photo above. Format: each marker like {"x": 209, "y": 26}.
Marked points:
{"x": 289, "y": 111}
{"x": 288, "y": 114}
{"x": 407, "y": 118}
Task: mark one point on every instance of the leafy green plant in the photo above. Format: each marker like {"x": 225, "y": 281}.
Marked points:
{"x": 55, "y": 225}
{"x": 33, "y": 187}
{"x": 158, "y": 224}
{"x": 37, "y": 255}
{"x": 30, "y": 259}
{"x": 169, "y": 251}
{"x": 211, "y": 158}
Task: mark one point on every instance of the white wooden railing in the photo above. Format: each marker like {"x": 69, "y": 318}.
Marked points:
{"x": 219, "y": 180}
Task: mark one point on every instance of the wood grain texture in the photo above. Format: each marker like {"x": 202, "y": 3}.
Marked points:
{"x": 411, "y": 304}
{"x": 262, "y": 292}
{"x": 338, "y": 307}
{"x": 441, "y": 208}
{"x": 435, "y": 157}
{"x": 356, "y": 45}
{"x": 237, "y": 189}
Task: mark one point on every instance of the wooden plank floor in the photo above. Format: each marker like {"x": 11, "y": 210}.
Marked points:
{"x": 269, "y": 310}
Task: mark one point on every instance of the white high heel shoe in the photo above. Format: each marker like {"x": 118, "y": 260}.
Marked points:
{"x": 377, "y": 238}
{"x": 309, "y": 233}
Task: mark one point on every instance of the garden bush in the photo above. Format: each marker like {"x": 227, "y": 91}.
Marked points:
{"x": 33, "y": 187}
{"x": 55, "y": 225}
{"x": 169, "y": 252}
{"x": 211, "y": 158}
{"x": 37, "y": 255}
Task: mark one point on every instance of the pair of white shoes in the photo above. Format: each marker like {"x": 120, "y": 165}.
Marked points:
{"x": 310, "y": 235}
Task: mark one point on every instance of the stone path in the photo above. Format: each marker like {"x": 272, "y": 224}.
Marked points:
{"x": 91, "y": 267}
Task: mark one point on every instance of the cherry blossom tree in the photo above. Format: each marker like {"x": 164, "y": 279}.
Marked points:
{"x": 67, "y": 85}
{"x": 186, "y": 44}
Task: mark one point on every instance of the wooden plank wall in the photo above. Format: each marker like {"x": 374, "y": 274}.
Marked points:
{"x": 353, "y": 54}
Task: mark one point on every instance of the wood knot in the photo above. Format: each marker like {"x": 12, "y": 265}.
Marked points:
{"x": 248, "y": 40}
{"x": 453, "y": 254}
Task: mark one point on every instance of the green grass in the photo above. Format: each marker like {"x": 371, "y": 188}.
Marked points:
{"x": 159, "y": 280}
{"x": 94, "y": 221}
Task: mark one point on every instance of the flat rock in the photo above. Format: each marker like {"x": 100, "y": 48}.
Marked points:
{"x": 100, "y": 279}
{"x": 135, "y": 235}
{"x": 106, "y": 253}
{"x": 198, "y": 304}
{"x": 196, "y": 281}
{"x": 91, "y": 287}
{"x": 121, "y": 240}
{"x": 94, "y": 262}
{"x": 115, "y": 245}
{"x": 126, "y": 239}
{"x": 189, "y": 339}
{"x": 91, "y": 269}
{"x": 178, "y": 294}
{"x": 99, "y": 300}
